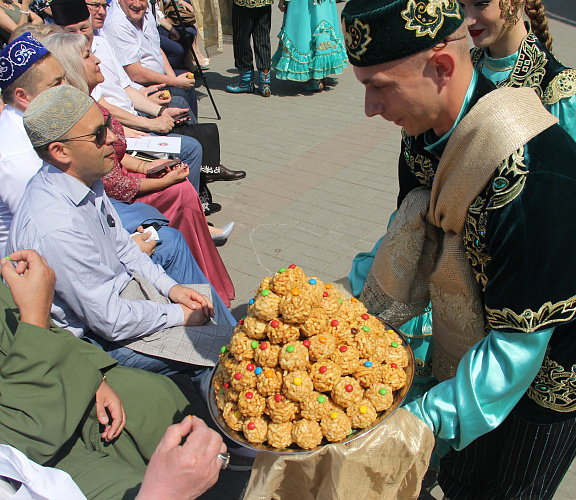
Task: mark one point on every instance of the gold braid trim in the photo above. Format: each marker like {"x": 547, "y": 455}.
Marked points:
{"x": 554, "y": 387}
{"x": 563, "y": 85}
{"x": 529, "y": 321}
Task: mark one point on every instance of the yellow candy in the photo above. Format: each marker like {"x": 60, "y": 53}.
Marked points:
{"x": 297, "y": 381}
{"x": 237, "y": 414}
{"x": 390, "y": 331}
{"x": 334, "y": 415}
{"x": 363, "y": 409}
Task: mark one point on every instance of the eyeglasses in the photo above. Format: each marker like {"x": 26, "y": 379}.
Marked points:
{"x": 97, "y": 6}
{"x": 100, "y": 133}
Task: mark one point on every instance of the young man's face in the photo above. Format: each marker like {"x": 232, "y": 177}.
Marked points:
{"x": 134, "y": 9}
{"x": 402, "y": 92}
{"x": 98, "y": 10}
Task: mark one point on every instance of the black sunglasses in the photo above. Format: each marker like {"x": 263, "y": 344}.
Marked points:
{"x": 100, "y": 133}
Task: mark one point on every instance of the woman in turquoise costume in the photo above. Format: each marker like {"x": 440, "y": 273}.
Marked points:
{"x": 311, "y": 45}
{"x": 513, "y": 54}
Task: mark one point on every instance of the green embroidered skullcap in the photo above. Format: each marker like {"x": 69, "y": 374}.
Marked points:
{"x": 380, "y": 31}
{"x": 54, "y": 112}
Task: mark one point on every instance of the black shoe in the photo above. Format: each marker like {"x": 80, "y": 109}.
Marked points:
{"x": 222, "y": 173}
{"x": 211, "y": 208}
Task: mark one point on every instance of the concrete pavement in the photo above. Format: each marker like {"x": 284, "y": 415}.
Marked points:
{"x": 321, "y": 176}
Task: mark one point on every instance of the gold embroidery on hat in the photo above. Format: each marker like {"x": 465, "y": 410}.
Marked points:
{"x": 427, "y": 17}
{"x": 357, "y": 37}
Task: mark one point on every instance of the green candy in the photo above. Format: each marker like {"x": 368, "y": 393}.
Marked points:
{"x": 282, "y": 270}
{"x": 223, "y": 349}
{"x": 254, "y": 344}
{"x": 351, "y": 432}
{"x": 290, "y": 348}
{"x": 340, "y": 300}
{"x": 383, "y": 392}
{"x": 365, "y": 328}
{"x": 222, "y": 390}
{"x": 394, "y": 344}
{"x": 321, "y": 399}
{"x": 265, "y": 292}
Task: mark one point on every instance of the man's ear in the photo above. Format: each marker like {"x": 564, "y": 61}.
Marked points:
{"x": 22, "y": 97}
{"x": 444, "y": 65}
{"x": 59, "y": 153}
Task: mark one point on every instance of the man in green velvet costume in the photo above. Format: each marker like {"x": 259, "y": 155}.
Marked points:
{"x": 487, "y": 183}
{"x": 67, "y": 404}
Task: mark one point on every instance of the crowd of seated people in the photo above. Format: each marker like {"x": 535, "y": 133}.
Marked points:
{"x": 121, "y": 243}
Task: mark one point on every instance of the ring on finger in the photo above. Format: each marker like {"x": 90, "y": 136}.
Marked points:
{"x": 224, "y": 458}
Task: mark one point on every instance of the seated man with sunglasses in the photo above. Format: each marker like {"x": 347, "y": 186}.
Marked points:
{"x": 107, "y": 290}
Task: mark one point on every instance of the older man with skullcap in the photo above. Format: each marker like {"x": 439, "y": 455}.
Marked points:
{"x": 487, "y": 180}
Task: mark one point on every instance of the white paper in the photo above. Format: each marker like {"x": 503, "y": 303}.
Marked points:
{"x": 154, "y": 144}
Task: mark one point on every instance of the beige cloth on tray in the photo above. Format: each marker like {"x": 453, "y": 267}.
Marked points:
{"x": 386, "y": 464}
{"x": 198, "y": 345}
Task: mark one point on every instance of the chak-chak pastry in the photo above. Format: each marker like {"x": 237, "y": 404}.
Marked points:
{"x": 219, "y": 378}
{"x": 221, "y": 400}
{"x": 280, "y": 435}
{"x": 307, "y": 434}
{"x": 286, "y": 279}
{"x": 279, "y": 332}
{"x": 366, "y": 342}
{"x": 266, "y": 354}
{"x": 316, "y": 322}
{"x": 362, "y": 414}
{"x": 315, "y": 406}
{"x": 335, "y": 426}
{"x": 230, "y": 393}
{"x": 397, "y": 353}
{"x": 381, "y": 352}
{"x": 393, "y": 376}
{"x": 241, "y": 347}
{"x": 367, "y": 373}
{"x": 313, "y": 288}
{"x": 325, "y": 374}
{"x": 297, "y": 385}
{"x": 346, "y": 392}
{"x": 166, "y": 94}
{"x": 294, "y": 356}
{"x": 294, "y": 307}
{"x": 376, "y": 326}
{"x": 391, "y": 335}
{"x": 321, "y": 346}
{"x": 281, "y": 409}
{"x": 251, "y": 404}
{"x": 264, "y": 284}
{"x": 380, "y": 395}
{"x": 255, "y": 429}
{"x": 255, "y": 328}
{"x": 265, "y": 305}
{"x": 340, "y": 330}
{"x": 244, "y": 377}
{"x": 233, "y": 417}
{"x": 347, "y": 357}
{"x": 331, "y": 299}
{"x": 269, "y": 381}
{"x": 351, "y": 310}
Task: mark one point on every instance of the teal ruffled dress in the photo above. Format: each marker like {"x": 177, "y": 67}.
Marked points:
{"x": 311, "y": 44}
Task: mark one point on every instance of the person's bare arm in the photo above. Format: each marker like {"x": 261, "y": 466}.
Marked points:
{"x": 161, "y": 124}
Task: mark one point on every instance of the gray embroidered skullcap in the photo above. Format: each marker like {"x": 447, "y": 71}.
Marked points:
{"x": 54, "y": 112}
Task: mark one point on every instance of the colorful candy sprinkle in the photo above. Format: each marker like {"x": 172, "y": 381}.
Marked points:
{"x": 282, "y": 270}
{"x": 340, "y": 300}
{"x": 264, "y": 346}
{"x": 322, "y": 339}
{"x": 226, "y": 385}
{"x": 249, "y": 395}
{"x": 323, "y": 369}
{"x": 354, "y": 331}
{"x": 365, "y": 317}
{"x": 383, "y": 391}
{"x": 295, "y": 292}
{"x": 274, "y": 323}
{"x": 312, "y": 281}
{"x": 343, "y": 348}
{"x": 223, "y": 349}
{"x": 363, "y": 409}
{"x": 334, "y": 323}
{"x": 278, "y": 398}
{"x": 269, "y": 374}
{"x": 292, "y": 266}
{"x": 366, "y": 328}
{"x": 237, "y": 414}
{"x": 349, "y": 388}
{"x": 251, "y": 426}
{"x": 368, "y": 364}
{"x": 258, "y": 371}
{"x": 393, "y": 365}
{"x": 353, "y": 299}
{"x": 297, "y": 381}
{"x": 254, "y": 344}
{"x": 334, "y": 415}
{"x": 238, "y": 376}
{"x": 390, "y": 331}
{"x": 394, "y": 344}
{"x": 306, "y": 343}
{"x": 265, "y": 293}
{"x": 241, "y": 322}
{"x": 350, "y": 432}
{"x": 328, "y": 286}
{"x": 321, "y": 399}
{"x": 251, "y": 301}
{"x": 325, "y": 294}
{"x": 250, "y": 367}
{"x": 290, "y": 348}
{"x": 222, "y": 390}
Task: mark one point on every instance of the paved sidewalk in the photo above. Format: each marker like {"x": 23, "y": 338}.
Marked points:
{"x": 321, "y": 176}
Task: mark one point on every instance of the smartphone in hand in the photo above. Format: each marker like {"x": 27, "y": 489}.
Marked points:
{"x": 163, "y": 167}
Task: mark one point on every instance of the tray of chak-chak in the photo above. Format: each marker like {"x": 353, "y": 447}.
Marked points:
{"x": 307, "y": 366}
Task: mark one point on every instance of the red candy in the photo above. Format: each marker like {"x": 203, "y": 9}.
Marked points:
{"x": 263, "y": 346}
{"x": 334, "y": 322}
{"x": 325, "y": 294}
{"x": 238, "y": 376}
{"x": 278, "y": 398}
{"x": 292, "y": 266}
{"x": 241, "y": 322}
{"x": 323, "y": 369}
{"x": 249, "y": 395}
{"x": 226, "y": 385}
{"x": 343, "y": 348}
{"x": 306, "y": 343}
{"x": 274, "y": 324}
{"x": 251, "y": 426}
{"x": 250, "y": 367}
{"x": 349, "y": 388}
{"x": 365, "y": 316}
{"x": 393, "y": 365}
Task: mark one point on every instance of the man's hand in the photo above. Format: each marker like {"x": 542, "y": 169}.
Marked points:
{"x": 31, "y": 283}
{"x": 173, "y": 112}
{"x": 184, "y": 82}
{"x": 147, "y": 247}
{"x": 109, "y": 407}
{"x": 191, "y": 299}
{"x": 163, "y": 124}
{"x": 156, "y": 98}
{"x": 173, "y": 34}
{"x": 183, "y": 472}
